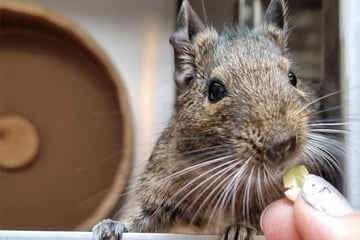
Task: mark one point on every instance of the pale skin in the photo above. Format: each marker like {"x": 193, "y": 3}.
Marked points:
{"x": 284, "y": 220}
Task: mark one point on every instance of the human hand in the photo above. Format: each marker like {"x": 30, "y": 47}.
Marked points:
{"x": 320, "y": 212}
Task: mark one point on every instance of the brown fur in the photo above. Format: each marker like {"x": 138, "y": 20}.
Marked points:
{"x": 261, "y": 111}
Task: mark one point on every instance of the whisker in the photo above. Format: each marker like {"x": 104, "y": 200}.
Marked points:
{"x": 327, "y": 131}
{"x": 246, "y": 204}
{"x": 204, "y": 12}
{"x": 227, "y": 191}
{"x": 329, "y": 124}
{"x": 259, "y": 186}
{"x": 223, "y": 147}
{"x": 322, "y": 154}
{"x": 199, "y": 185}
{"x": 329, "y": 109}
{"x": 213, "y": 191}
{"x": 213, "y": 160}
{"x": 317, "y": 100}
{"x": 233, "y": 187}
{"x": 204, "y": 162}
{"x": 326, "y": 144}
{"x": 332, "y": 120}
{"x": 217, "y": 194}
{"x": 196, "y": 153}
{"x": 236, "y": 182}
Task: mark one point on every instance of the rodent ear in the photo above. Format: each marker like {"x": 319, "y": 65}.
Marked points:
{"x": 188, "y": 25}
{"x": 275, "y": 22}
{"x": 275, "y": 14}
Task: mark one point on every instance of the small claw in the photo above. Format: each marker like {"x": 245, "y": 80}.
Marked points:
{"x": 239, "y": 232}
{"x": 108, "y": 228}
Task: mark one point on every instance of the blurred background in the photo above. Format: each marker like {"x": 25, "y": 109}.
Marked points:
{"x": 127, "y": 56}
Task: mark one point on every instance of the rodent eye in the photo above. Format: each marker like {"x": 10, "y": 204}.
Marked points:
{"x": 292, "y": 78}
{"x": 217, "y": 90}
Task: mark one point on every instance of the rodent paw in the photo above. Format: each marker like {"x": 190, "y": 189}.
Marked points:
{"x": 239, "y": 232}
{"x": 108, "y": 228}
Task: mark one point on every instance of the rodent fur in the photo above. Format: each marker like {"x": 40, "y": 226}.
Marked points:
{"x": 219, "y": 164}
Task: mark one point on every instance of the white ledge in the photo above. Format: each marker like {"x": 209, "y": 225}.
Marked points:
{"x": 62, "y": 235}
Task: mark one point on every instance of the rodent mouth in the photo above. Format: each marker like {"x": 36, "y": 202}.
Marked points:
{"x": 284, "y": 164}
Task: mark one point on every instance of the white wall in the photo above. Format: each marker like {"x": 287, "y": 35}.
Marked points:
{"x": 350, "y": 61}
{"x": 134, "y": 34}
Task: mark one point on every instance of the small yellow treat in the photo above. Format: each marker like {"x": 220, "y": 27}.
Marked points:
{"x": 293, "y": 180}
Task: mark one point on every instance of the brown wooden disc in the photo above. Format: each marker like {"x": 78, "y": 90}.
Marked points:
{"x": 56, "y": 77}
{"x": 19, "y": 142}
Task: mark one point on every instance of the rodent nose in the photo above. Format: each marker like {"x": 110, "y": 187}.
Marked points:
{"x": 280, "y": 151}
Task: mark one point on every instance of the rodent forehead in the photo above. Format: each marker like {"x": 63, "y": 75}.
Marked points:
{"x": 237, "y": 51}
{"x": 251, "y": 50}
{"x": 238, "y": 56}
{"x": 272, "y": 74}
{"x": 247, "y": 61}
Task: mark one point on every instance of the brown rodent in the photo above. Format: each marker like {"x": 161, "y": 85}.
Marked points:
{"x": 240, "y": 122}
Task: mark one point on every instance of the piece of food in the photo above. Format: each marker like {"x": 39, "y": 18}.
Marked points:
{"x": 293, "y": 180}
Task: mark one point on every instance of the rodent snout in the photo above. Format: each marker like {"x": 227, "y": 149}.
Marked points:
{"x": 281, "y": 151}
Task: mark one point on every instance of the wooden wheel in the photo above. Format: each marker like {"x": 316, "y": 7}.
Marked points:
{"x": 65, "y": 104}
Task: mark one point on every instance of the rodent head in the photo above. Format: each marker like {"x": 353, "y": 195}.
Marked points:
{"x": 237, "y": 89}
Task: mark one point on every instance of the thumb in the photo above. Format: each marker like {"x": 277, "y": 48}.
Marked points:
{"x": 322, "y": 213}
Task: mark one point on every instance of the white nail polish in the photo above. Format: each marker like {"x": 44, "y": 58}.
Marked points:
{"x": 324, "y": 197}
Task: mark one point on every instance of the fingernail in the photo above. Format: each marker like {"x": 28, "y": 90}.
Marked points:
{"x": 324, "y": 197}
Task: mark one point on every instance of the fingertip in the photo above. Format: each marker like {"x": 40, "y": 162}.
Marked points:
{"x": 277, "y": 221}
{"x": 269, "y": 212}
